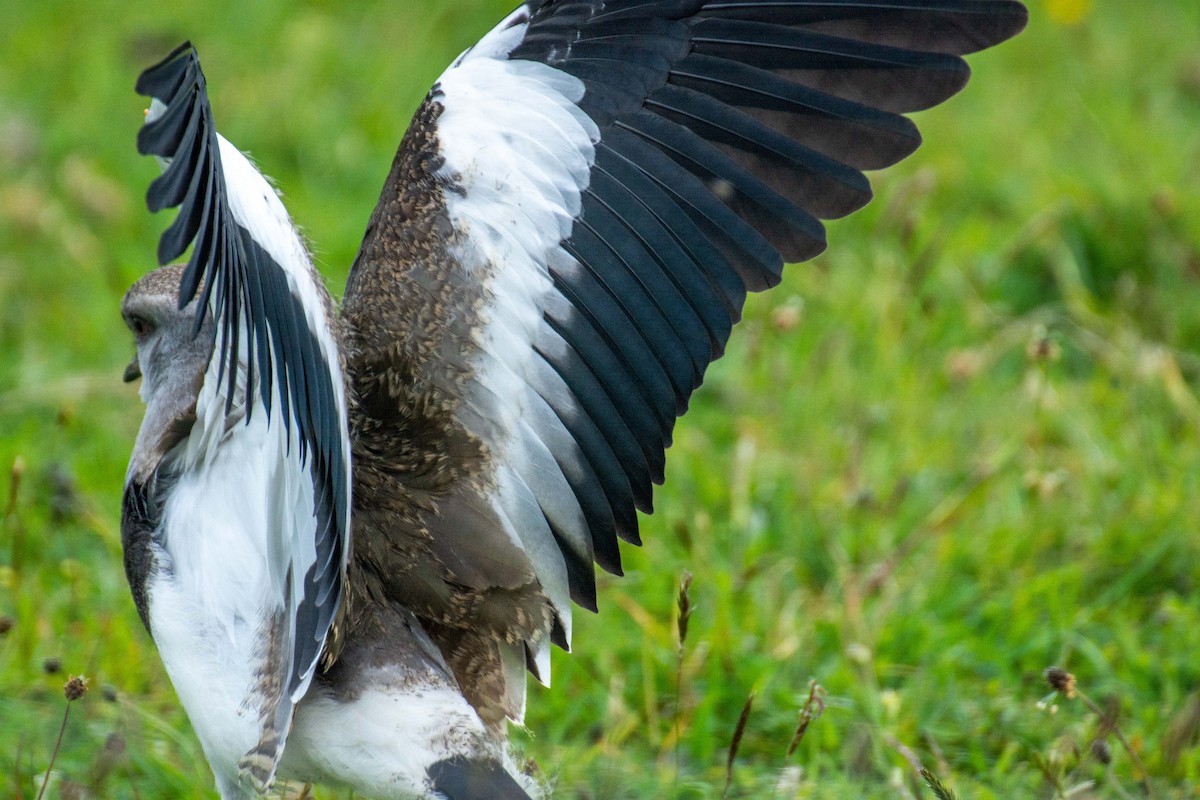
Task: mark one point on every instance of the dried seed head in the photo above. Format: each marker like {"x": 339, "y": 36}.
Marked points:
{"x": 1042, "y": 347}
{"x": 75, "y": 688}
{"x": 109, "y": 692}
{"x": 812, "y": 709}
{"x": 939, "y": 789}
{"x": 1061, "y": 681}
{"x": 6, "y": 624}
{"x": 684, "y": 602}
{"x": 51, "y": 666}
{"x": 736, "y": 743}
{"x": 1101, "y": 752}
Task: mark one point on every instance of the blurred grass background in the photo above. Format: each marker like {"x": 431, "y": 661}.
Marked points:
{"x": 955, "y": 450}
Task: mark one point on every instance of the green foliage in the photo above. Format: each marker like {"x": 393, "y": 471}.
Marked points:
{"x": 959, "y": 448}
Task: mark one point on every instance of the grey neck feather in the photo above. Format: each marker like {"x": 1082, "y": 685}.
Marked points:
{"x": 172, "y": 361}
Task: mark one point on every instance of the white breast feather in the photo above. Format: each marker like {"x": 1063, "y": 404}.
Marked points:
{"x": 219, "y": 586}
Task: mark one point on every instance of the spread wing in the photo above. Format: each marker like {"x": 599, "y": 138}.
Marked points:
{"x": 563, "y": 245}
{"x": 275, "y": 362}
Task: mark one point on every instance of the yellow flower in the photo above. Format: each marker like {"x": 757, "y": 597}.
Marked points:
{"x": 1068, "y": 12}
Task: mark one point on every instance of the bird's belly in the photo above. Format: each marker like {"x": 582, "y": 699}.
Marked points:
{"x": 383, "y": 714}
{"x": 381, "y": 742}
{"x": 212, "y": 676}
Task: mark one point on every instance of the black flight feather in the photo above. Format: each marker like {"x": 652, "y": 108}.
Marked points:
{"x": 242, "y": 284}
{"x": 728, "y": 130}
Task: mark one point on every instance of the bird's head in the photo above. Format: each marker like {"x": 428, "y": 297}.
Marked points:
{"x": 171, "y": 360}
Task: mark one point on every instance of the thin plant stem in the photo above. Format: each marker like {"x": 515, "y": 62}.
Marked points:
{"x": 57, "y": 744}
{"x": 17, "y": 769}
{"x": 1116, "y": 730}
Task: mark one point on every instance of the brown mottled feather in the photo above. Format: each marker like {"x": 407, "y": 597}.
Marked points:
{"x": 409, "y": 313}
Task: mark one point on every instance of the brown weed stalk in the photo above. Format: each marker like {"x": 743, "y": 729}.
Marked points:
{"x": 74, "y": 689}
{"x": 736, "y": 743}
{"x": 1065, "y": 682}
{"x": 17, "y": 770}
{"x": 813, "y": 708}
{"x": 683, "y": 604}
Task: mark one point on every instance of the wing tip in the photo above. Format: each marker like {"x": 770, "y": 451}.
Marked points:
{"x": 1004, "y": 20}
{"x": 150, "y": 80}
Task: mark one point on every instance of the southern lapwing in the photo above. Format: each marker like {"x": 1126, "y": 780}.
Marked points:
{"x": 351, "y": 534}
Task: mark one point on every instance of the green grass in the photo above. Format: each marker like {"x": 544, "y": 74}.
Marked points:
{"x": 959, "y": 448}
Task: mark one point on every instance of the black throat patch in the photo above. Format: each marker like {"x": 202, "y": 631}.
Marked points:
{"x": 141, "y": 515}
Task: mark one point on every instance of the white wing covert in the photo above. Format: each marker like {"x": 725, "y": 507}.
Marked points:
{"x": 274, "y": 364}
{"x": 564, "y": 243}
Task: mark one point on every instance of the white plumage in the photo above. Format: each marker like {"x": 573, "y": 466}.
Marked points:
{"x": 386, "y": 740}
{"x": 517, "y": 142}
{"x": 256, "y": 207}
{"x": 213, "y": 591}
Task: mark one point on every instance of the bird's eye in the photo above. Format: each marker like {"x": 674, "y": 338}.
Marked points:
{"x": 140, "y": 326}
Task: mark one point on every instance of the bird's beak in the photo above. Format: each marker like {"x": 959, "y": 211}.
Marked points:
{"x": 133, "y": 371}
